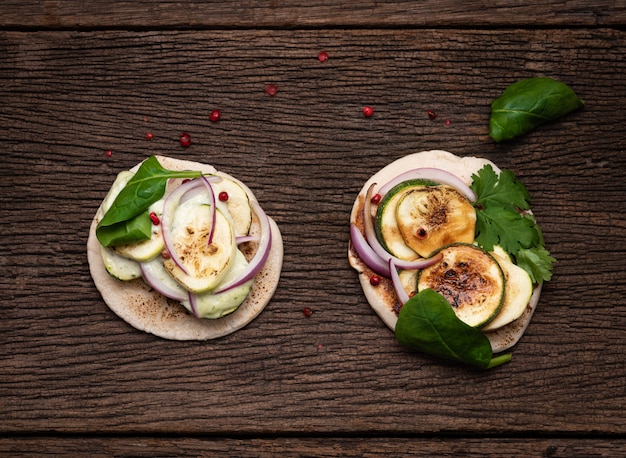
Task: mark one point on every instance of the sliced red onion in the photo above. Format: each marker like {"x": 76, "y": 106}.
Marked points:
{"x": 169, "y": 205}
{"x": 193, "y": 304}
{"x": 213, "y": 178}
{"x": 262, "y": 252}
{"x": 365, "y": 252}
{"x": 192, "y": 193}
{"x": 397, "y": 284}
{"x": 372, "y": 240}
{"x": 152, "y": 279}
{"x": 209, "y": 188}
{"x": 432, "y": 174}
{"x": 368, "y": 225}
{"x": 246, "y": 238}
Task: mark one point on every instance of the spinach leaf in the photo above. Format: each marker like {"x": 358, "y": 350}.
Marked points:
{"x": 428, "y": 324}
{"x": 529, "y": 103}
{"x": 125, "y": 232}
{"x": 125, "y": 222}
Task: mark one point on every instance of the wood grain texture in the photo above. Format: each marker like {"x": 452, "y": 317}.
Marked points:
{"x": 77, "y": 14}
{"x": 69, "y": 366}
{"x": 361, "y": 447}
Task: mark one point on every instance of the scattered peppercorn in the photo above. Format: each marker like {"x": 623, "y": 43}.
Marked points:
{"x": 223, "y": 196}
{"x": 271, "y": 89}
{"x": 149, "y": 135}
{"x": 154, "y": 218}
{"x": 185, "y": 139}
{"x": 368, "y": 111}
{"x": 322, "y": 56}
{"x": 432, "y": 114}
{"x": 374, "y": 280}
{"x": 376, "y": 198}
{"x": 215, "y": 115}
{"x": 306, "y": 311}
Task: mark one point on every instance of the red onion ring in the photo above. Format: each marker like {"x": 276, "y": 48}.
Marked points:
{"x": 397, "y": 284}
{"x": 193, "y": 304}
{"x": 150, "y": 277}
{"x": 365, "y": 252}
{"x": 246, "y": 238}
{"x": 209, "y": 188}
{"x": 262, "y": 252}
{"x": 169, "y": 205}
{"x": 431, "y": 174}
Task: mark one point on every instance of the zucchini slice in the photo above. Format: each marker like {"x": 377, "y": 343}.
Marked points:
{"x": 238, "y": 204}
{"x": 146, "y": 249}
{"x": 119, "y": 267}
{"x": 434, "y": 216}
{"x": 386, "y": 225}
{"x": 206, "y": 265}
{"x": 213, "y": 306}
{"x": 519, "y": 289}
{"x": 470, "y": 279}
{"x": 408, "y": 279}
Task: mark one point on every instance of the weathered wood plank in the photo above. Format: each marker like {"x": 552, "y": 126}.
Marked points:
{"x": 68, "y": 365}
{"x": 293, "y": 14}
{"x": 318, "y": 447}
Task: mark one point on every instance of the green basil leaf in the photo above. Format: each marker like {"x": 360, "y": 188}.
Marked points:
{"x": 125, "y": 232}
{"x": 142, "y": 190}
{"x": 428, "y": 324}
{"x": 529, "y": 103}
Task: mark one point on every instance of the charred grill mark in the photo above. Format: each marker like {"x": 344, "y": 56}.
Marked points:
{"x": 458, "y": 283}
{"x": 438, "y": 213}
{"x": 435, "y": 210}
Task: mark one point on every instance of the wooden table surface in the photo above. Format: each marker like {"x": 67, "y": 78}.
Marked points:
{"x": 79, "y": 78}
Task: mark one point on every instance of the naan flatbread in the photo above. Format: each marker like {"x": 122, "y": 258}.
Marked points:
{"x": 145, "y": 309}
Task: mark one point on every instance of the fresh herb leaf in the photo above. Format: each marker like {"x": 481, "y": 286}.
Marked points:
{"x": 123, "y": 222}
{"x": 125, "y": 232}
{"x": 505, "y": 227}
{"x": 499, "y": 221}
{"x": 502, "y": 219}
{"x": 537, "y": 262}
{"x": 529, "y": 103}
{"x": 503, "y": 190}
{"x": 428, "y": 324}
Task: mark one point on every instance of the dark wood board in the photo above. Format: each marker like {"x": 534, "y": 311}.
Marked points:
{"x": 313, "y": 447}
{"x": 255, "y": 14}
{"x": 71, "y": 369}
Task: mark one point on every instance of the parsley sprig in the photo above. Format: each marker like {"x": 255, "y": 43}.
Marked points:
{"x": 502, "y": 218}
